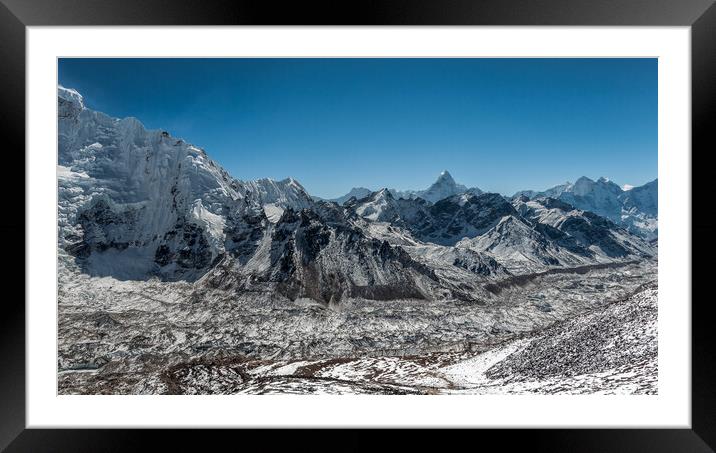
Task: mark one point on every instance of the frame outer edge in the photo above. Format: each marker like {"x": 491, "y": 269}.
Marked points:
{"x": 12, "y": 320}
{"x": 12, "y": 81}
{"x": 372, "y": 12}
{"x": 703, "y": 117}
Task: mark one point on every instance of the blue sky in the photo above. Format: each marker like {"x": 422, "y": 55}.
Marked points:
{"x": 333, "y": 124}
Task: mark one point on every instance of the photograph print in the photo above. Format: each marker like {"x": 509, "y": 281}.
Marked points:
{"x": 383, "y": 226}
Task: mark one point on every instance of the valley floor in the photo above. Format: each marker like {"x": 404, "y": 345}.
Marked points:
{"x": 587, "y": 332}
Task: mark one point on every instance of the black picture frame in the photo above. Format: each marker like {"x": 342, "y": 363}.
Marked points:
{"x": 16, "y": 15}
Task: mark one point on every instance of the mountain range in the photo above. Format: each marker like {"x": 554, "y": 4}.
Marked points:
{"x": 636, "y": 208}
{"x": 137, "y": 204}
{"x": 443, "y": 187}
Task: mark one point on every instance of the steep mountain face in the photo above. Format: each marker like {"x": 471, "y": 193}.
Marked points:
{"x": 319, "y": 254}
{"x": 640, "y": 207}
{"x": 460, "y": 216}
{"x": 635, "y": 209}
{"x": 520, "y": 247}
{"x": 125, "y": 191}
{"x": 445, "y": 186}
{"x": 136, "y": 204}
{"x": 643, "y": 199}
{"x": 285, "y": 193}
{"x": 600, "y": 196}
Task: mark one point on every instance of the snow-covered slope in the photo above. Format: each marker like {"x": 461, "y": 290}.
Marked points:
{"x": 379, "y": 205}
{"x": 642, "y": 199}
{"x": 575, "y": 237}
{"x": 600, "y": 197}
{"x": 135, "y": 202}
{"x": 640, "y": 209}
{"x": 634, "y": 208}
{"x": 124, "y": 192}
{"x": 382, "y": 206}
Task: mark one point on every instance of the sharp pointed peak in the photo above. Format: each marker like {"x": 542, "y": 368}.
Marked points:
{"x": 445, "y": 176}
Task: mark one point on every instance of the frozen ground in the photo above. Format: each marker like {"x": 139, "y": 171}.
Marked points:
{"x": 591, "y": 332}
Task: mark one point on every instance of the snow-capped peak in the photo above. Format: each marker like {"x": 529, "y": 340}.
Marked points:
{"x": 157, "y": 192}
{"x": 444, "y": 187}
{"x": 293, "y": 183}
{"x": 446, "y": 176}
{"x": 378, "y": 206}
{"x": 287, "y": 192}
{"x": 71, "y": 95}
{"x": 383, "y": 193}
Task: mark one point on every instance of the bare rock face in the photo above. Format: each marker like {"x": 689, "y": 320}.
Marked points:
{"x": 459, "y": 216}
{"x": 324, "y": 258}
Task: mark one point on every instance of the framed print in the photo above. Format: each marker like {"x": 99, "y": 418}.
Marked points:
{"x": 483, "y": 220}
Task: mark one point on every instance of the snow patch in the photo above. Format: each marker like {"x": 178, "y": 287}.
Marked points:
{"x": 213, "y": 224}
{"x": 67, "y": 173}
{"x": 273, "y": 212}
